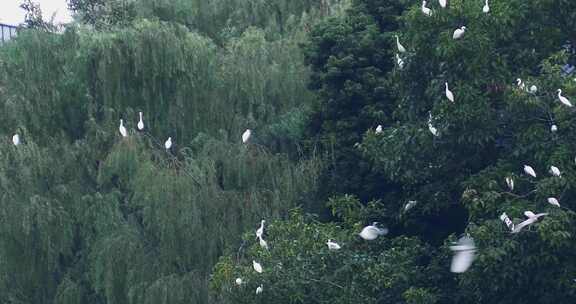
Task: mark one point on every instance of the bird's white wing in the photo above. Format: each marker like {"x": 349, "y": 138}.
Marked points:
{"x": 525, "y": 223}
{"x": 462, "y": 260}
{"x": 529, "y": 214}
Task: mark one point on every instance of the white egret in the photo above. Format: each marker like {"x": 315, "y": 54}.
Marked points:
{"x": 432, "y": 129}
{"x": 554, "y": 128}
{"x": 400, "y": 47}
{"x": 263, "y": 243}
{"x": 371, "y": 232}
{"x": 464, "y": 254}
{"x": 449, "y": 93}
{"x": 553, "y": 201}
{"x": 168, "y": 143}
{"x": 400, "y": 62}
{"x": 510, "y": 183}
{"x": 442, "y": 3}
{"x": 246, "y": 135}
{"x": 257, "y": 267}
{"x": 16, "y": 139}
{"x": 531, "y": 219}
{"x": 563, "y": 99}
{"x": 458, "y": 33}
{"x": 259, "y": 289}
{"x": 409, "y": 205}
{"x": 333, "y": 245}
{"x": 140, "y": 122}
{"x": 486, "y": 8}
{"x": 238, "y": 281}
{"x": 425, "y": 10}
{"x": 260, "y": 230}
{"x": 122, "y": 129}
{"x": 529, "y": 170}
{"x": 533, "y": 89}
{"x": 520, "y": 84}
{"x": 379, "y": 129}
{"x": 554, "y": 171}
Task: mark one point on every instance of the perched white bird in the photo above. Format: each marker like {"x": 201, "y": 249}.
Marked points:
{"x": 379, "y": 129}
{"x": 238, "y": 281}
{"x": 400, "y": 47}
{"x": 510, "y": 183}
{"x": 246, "y": 135}
{"x": 464, "y": 254}
{"x": 260, "y": 230}
{"x": 263, "y": 243}
{"x": 432, "y": 129}
{"x": 168, "y": 143}
{"x": 554, "y": 128}
{"x": 533, "y": 89}
{"x": 486, "y": 8}
{"x": 529, "y": 170}
{"x": 140, "y": 122}
{"x": 371, "y": 232}
{"x": 425, "y": 10}
{"x": 531, "y": 219}
{"x": 122, "y": 129}
{"x": 458, "y": 33}
{"x": 257, "y": 267}
{"x": 442, "y": 3}
{"x": 553, "y": 201}
{"x": 409, "y": 205}
{"x": 563, "y": 99}
{"x": 520, "y": 84}
{"x": 554, "y": 171}
{"x": 449, "y": 94}
{"x": 400, "y": 62}
{"x": 16, "y": 139}
{"x": 259, "y": 289}
{"x": 333, "y": 245}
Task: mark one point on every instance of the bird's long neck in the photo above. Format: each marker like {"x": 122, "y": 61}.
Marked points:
{"x": 140, "y": 116}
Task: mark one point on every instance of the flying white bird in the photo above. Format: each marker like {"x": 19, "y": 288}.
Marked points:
{"x": 140, "y": 122}
{"x": 554, "y": 128}
{"x": 400, "y": 47}
{"x": 458, "y": 33}
{"x": 16, "y": 139}
{"x": 400, "y": 62}
{"x": 168, "y": 143}
{"x": 238, "y": 281}
{"x": 263, "y": 243}
{"x": 371, "y": 232}
{"x": 464, "y": 254}
{"x": 449, "y": 94}
{"x": 246, "y": 135}
{"x": 563, "y": 99}
{"x": 533, "y": 89}
{"x": 553, "y": 201}
{"x": 409, "y": 205}
{"x": 333, "y": 245}
{"x": 531, "y": 219}
{"x": 486, "y": 8}
{"x": 529, "y": 170}
{"x": 504, "y": 217}
{"x": 122, "y": 129}
{"x": 554, "y": 171}
{"x": 259, "y": 289}
{"x": 260, "y": 230}
{"x": 442, "y": 3}
{"x": 257, "y": 267}
{"x": 425, "y": 10}
{"x": 379, "y": 129}
{"x": 510, "y": 183}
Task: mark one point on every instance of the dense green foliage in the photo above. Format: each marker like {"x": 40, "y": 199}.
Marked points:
{"x": 89, "y": 216}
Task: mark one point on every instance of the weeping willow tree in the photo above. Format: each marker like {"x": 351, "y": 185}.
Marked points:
{"x": 88, "y": 216}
